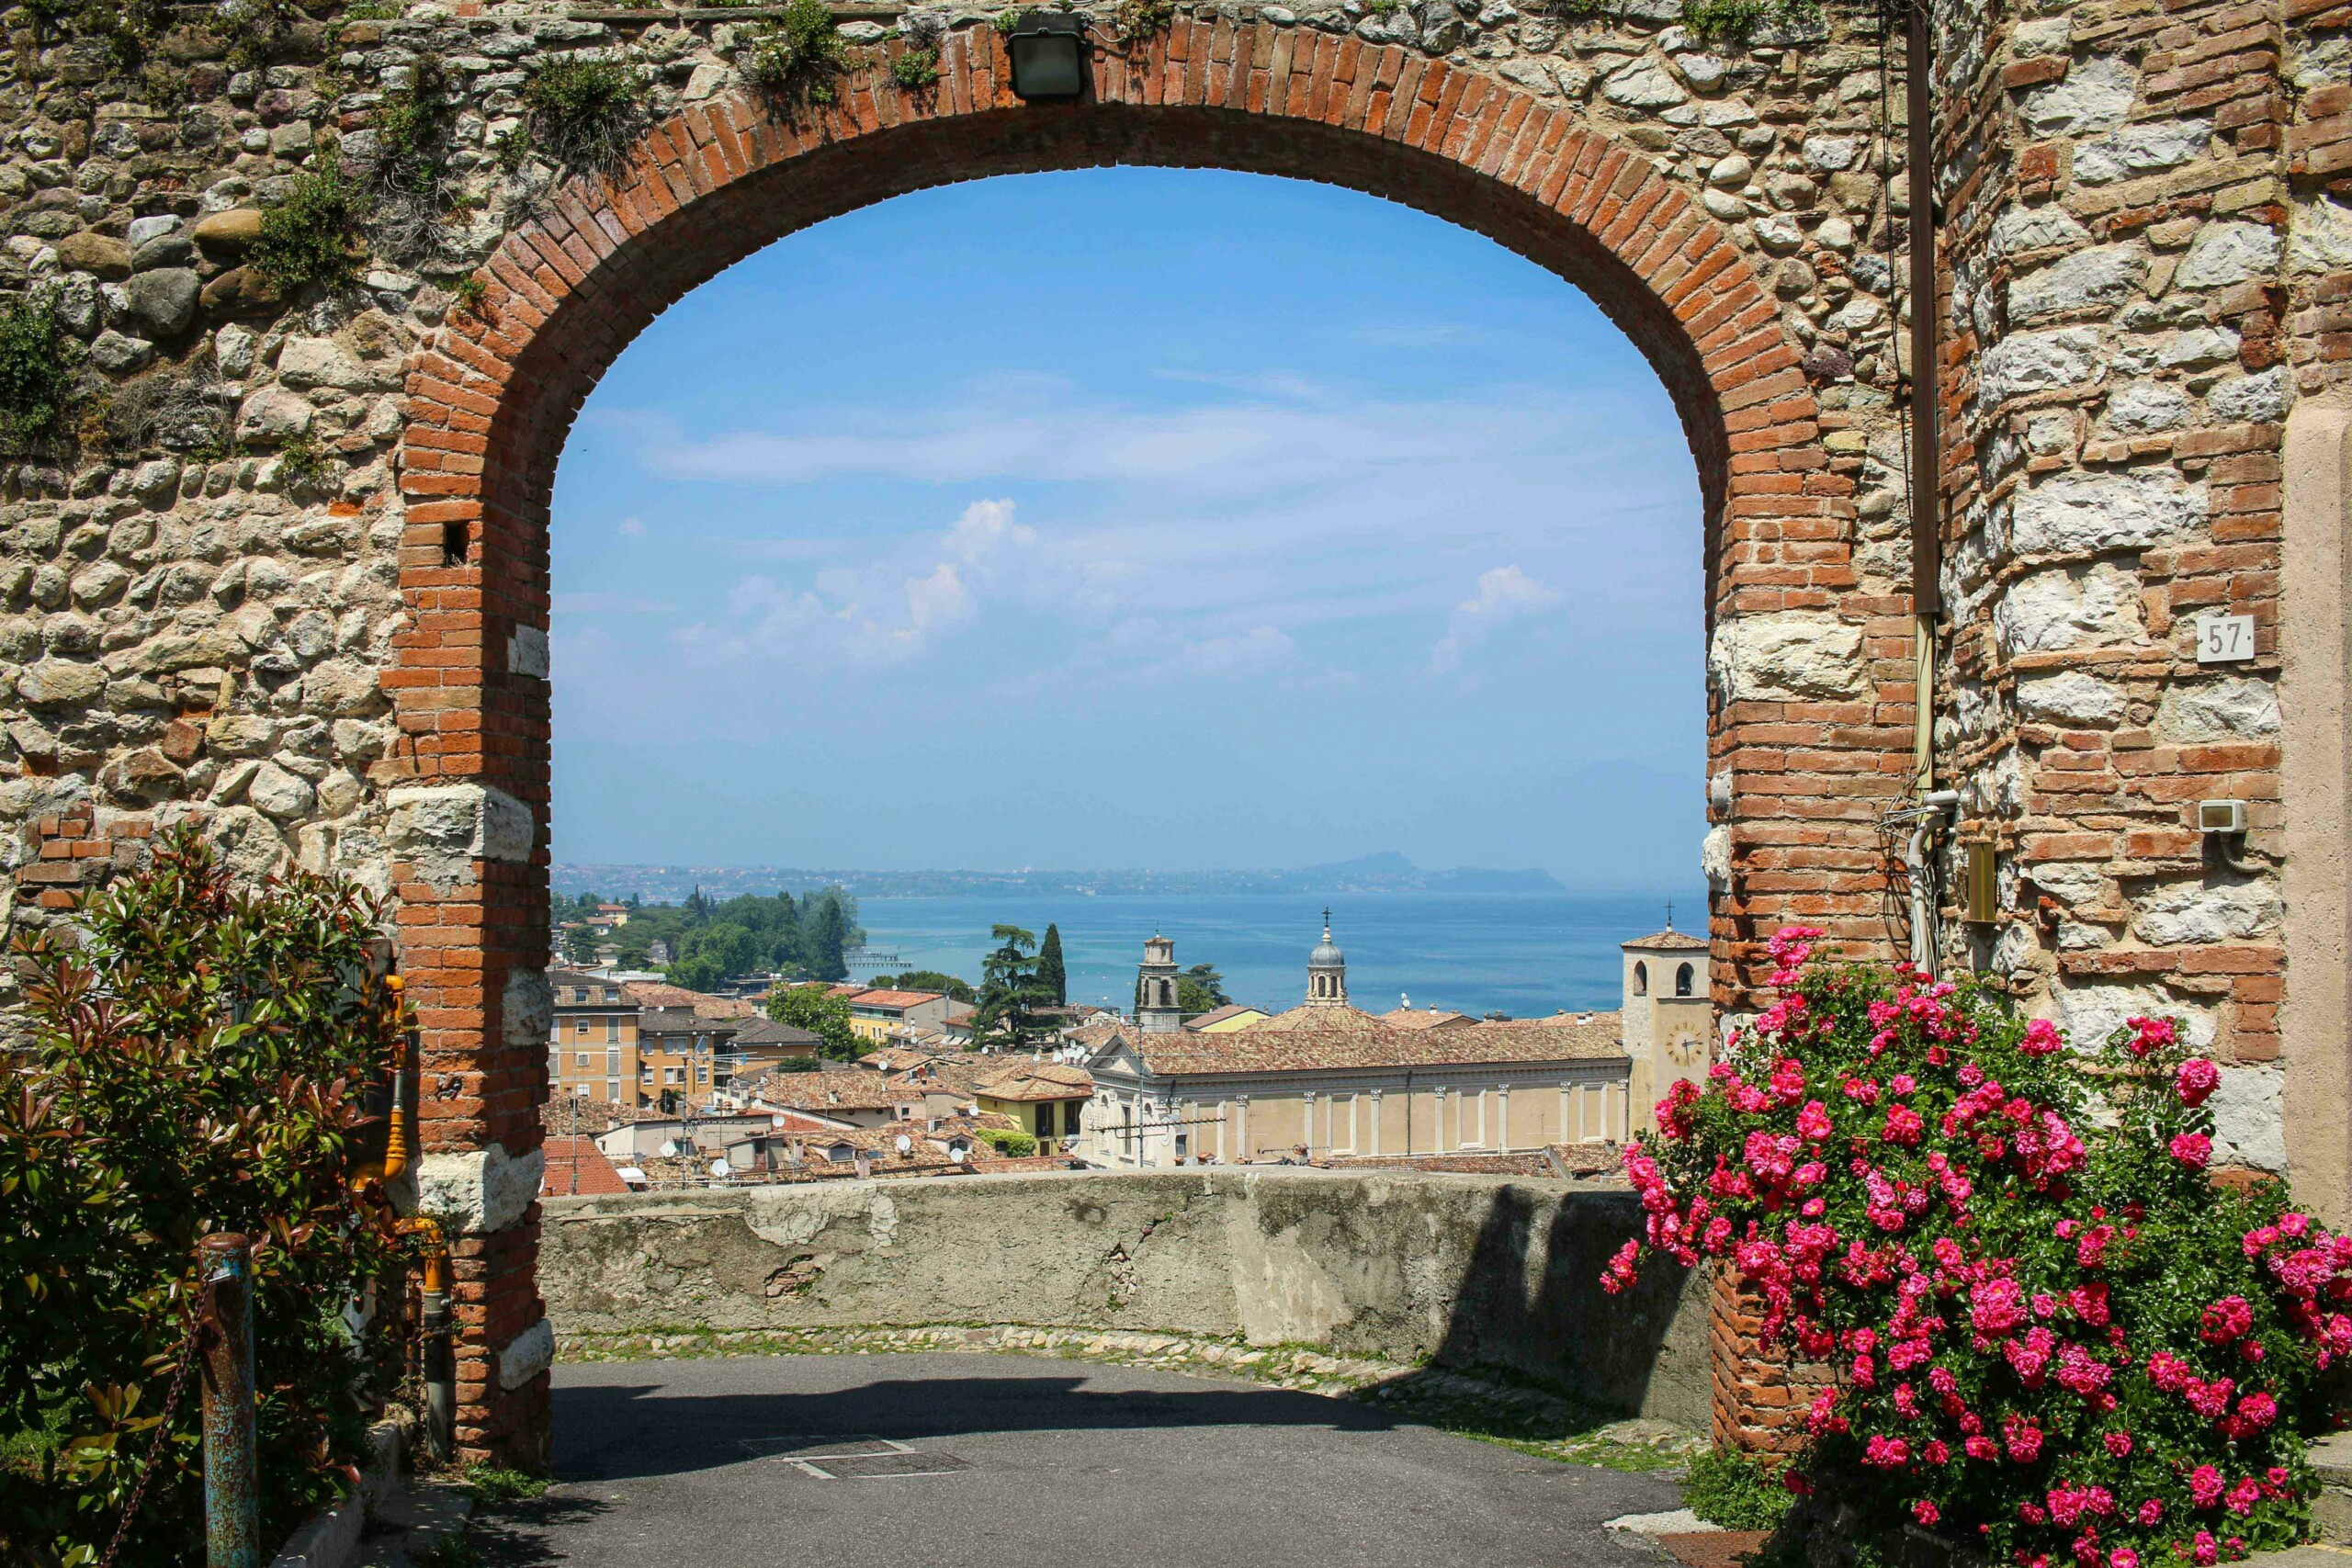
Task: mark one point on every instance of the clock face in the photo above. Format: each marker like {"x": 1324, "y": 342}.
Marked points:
{"x": 1687, "y": 1050}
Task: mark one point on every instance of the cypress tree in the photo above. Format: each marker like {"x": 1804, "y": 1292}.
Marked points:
{"x": 826, "y": 935}
{"x": 1050, "y": 973}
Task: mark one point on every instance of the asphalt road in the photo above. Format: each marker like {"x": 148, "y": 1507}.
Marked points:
{"x": 977, "y": 1462}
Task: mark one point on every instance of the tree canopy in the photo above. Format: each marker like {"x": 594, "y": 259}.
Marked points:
{"x": 1050, "y": 972}
{"x": 822, "y": 1014}
{"x": 1201, "y": 990}
{"x": 708, "y": 942}
{"x": 926, "y": 980}
{"x": 1012, "y": 995}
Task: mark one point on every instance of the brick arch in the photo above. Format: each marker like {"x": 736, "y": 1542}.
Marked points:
{"x": 493, "y": 399}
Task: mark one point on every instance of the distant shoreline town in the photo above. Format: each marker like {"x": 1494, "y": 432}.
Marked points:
{"x": 1389, "y": 872}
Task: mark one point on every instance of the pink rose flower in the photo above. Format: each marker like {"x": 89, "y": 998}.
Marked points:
{"x": 2196, "y": 1080}
{"x": 2192, "y": 1149}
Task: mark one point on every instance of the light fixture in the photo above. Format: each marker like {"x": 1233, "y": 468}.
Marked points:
{"x": 1049, "y": 49}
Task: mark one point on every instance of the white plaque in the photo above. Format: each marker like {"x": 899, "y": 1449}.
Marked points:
{"x": 2224, "y": 639}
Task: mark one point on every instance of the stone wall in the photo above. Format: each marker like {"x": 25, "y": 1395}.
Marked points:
{"x": 1465, "y": 1272}
{"x": 2148, "y": 239}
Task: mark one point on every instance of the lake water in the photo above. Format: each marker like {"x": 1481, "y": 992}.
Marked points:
{"x": 1525, "y": 954}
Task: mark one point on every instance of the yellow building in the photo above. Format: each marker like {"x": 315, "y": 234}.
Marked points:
{"x": 874, "y": 1016}
{"x": 1226, "y": 1020}
{"x": 591, "y": 1047}
{"x": 1327, "y": 1080}
{"x": 1044, "y": 1097}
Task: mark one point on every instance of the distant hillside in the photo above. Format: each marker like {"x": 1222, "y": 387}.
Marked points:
{"x": 1386, "y": 873}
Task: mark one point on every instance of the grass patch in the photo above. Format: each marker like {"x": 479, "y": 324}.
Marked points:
{"x": 1514, "y": 1413}
{"x": 489, "y": 1483}
{"x": 302, "y": 467}
{"x": 1739, "y": 1492}
{"x": 1735, "y": 21}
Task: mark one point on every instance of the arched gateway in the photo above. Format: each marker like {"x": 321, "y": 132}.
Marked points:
{"x": 299, "y": 593}
{"x": 494, "y": 395}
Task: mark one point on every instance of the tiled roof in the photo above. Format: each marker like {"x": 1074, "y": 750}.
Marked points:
{"x": 576, "y": 1165}
{"x": 679, "y": 1021}
{"x": 1362, "y": 1041}
{"x": 1037, "y": 1081}
{"x": 1421, "y": 1018}
{"x": 899, "y": 1000}
{"x": 1680, "y": 942}
{"x": 1324, "y": 1019}
{"x": 654, "y": 994}
{"x": 768, "y": 1032}
{"x": 1217, "y": 1015}
{"x": 895, "y": 1058}
{"x": 822, "y": 1092}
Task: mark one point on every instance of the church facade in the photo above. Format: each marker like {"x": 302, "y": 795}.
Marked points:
{"x": 1328, "y": 1081}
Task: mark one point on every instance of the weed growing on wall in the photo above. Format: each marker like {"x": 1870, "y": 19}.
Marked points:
{"x": 410, "y": 187}
{"x": 584, "y": 114}
{"x": 1136, "y": 21}
{"x": 311, "y": 236}
{"x": 37, "y": 361}
{"x": 303, "y": 467}
{"x": 1715, "y": 21}
{"x": 916, "y": 69}
{"x": 255, "y": 31}
{"x": 796, "y": 59}
{"x": 471, "y": 295}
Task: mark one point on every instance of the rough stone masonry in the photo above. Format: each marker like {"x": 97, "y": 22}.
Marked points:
{"x": 292, "y": 581}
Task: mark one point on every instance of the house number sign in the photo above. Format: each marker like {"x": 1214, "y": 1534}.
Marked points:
{"x": 2224, "y": 639}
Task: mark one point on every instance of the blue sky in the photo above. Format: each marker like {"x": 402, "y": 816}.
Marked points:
{"x": 1131, "y": 517}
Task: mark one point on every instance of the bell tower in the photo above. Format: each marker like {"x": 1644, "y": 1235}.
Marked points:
{"x": 1157, "y": 1012}
{"x": 1326, "y": 972}
{"x": 1668, "y": 1022}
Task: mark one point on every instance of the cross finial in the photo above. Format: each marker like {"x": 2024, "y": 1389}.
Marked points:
{"x": 1669, "y": 914}
{"x": 1326, "y": 919}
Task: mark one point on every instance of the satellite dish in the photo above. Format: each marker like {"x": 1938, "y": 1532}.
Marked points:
{"x": 671, "y": 1149}
{"x": 906, "y": 1146}
{"x": 722, "y": 1169}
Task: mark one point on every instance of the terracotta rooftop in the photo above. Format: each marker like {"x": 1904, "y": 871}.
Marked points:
{"x": 1422, "y": 1018}
{"x": 654, "y": 994}
{"x": 901, "y": 1000}
{"x": 1361, "y": 1040}
{"x": 1037, "y": 1081}
{"x": 1680, "y": 942}
{"x": 822, "y": 1092}
{"x": 575, "y": 1165}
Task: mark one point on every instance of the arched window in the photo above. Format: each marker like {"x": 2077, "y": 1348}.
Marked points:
{"x": 1641, "y": 979}
{"x": 1682, "y": 978}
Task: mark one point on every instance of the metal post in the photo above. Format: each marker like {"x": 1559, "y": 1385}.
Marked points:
{"x": 440, "y": 1379}
{"x": 231, "y": 1498}
{"x": 1927, "y": 440}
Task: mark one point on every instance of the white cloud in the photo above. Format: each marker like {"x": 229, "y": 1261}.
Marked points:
{"x": 590, "y": 603}
{"x": 1505, "y": 594}
{"x": 632, "y": 525}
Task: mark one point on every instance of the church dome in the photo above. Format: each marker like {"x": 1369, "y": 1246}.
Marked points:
{"x": 1327, "y": 954}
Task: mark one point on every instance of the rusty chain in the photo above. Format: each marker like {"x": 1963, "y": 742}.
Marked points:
{"x": 164, "y": 1426}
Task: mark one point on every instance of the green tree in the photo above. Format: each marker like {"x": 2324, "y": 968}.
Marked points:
{"x": 1201, "y": 990}
{"x": 1011, "y": 993}
{"x": 822, "y": 1014}
{"x": 926, "y": 980}
{"x": 199, "y": 1060}
{"x": 826, "y": 938}
{"x": 1050, "y": 972}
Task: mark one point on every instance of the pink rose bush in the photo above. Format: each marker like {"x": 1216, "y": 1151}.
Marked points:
{"x": 2051, "y": 1332}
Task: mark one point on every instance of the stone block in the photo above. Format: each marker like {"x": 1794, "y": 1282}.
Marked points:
{"x": 526, "y": 1354}
{"x": 442, "y": 830}
{"x": 1790, "y": 656}
{"x": 2085, "y": 514}
{"x": 478, "y": 1192}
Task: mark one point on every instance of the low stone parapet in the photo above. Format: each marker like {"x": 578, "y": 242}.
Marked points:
{"x": 1398, "y": 1267}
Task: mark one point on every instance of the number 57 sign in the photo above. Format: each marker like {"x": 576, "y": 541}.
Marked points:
{"x": 2224, "y": 639}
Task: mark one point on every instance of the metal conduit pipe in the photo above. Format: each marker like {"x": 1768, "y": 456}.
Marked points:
{"x": 1933, "y": 806}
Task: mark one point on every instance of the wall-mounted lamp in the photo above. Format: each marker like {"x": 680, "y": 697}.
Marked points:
{"x": 2224, "y": 825}
{"x": 1048, "y": 50}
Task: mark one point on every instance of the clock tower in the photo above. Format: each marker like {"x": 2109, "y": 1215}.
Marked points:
{"x": 1669, "y": 1022}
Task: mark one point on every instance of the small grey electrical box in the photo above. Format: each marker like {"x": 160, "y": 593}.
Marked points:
{"x": 2221, "y": 816}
